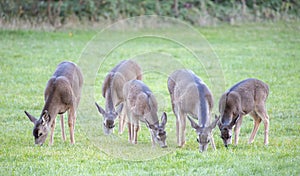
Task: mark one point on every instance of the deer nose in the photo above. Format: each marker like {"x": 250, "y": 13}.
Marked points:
{"x": 226, "y": 145}
{"x": 109, "y": 124}
{"x": 165, "y": 146}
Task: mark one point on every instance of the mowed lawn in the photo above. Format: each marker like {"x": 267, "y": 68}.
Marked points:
{"x": 270, "y": 52}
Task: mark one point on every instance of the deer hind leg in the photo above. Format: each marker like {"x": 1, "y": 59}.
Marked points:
{"x": 181, "y": 129}
{"x": 63, "y": 135}
{"x": 180, "y": 125}
{"x": 52, "y": 131}
{"x": 262, "y": 113}
{"x": 71, "y": 122}
{"x": 237, "y": 130}
{"x": 256, "y": 122}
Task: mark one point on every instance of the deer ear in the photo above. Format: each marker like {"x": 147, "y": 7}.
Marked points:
{"x": 163, "y": 119}
{"x": 193, "y": 124}
{"x": 31, "y": 118}
{"x": 213, "y": 125}
{"x": 45, "y": 117}
{"x": 101, "y": 110}
{"x": 233, "y": 122}
{"x": 152, "y": 127}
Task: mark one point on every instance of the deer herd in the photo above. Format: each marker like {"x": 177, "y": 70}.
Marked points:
{"x": 130, "y": 100}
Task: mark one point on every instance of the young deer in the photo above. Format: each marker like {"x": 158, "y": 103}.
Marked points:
{"x": 62, "y": 94}
{"x": 141, "y": 105}
{"x": 189, "y": 95}
{"x": 112, "y": 91}
{"x": 246, "y": 97}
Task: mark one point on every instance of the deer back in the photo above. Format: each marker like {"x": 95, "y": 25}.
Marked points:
{"x": 140, "y": 100}
{"x": 126, "y": 70}
{"x": 64, "y": 88}
{"x": 242, "y": 98}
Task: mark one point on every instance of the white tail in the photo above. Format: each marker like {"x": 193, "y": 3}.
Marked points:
{"x": 189, "y": 95}
{"x": 141, "y": 105}
{"x": 62, "y": 94}
{"x": 246, "y": 97}
{"x": 112, "y": 91}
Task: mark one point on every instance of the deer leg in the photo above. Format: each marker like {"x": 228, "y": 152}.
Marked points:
{"x": 182, "y": 125}
{"x": 52, "y": 131}
{"x": 177, "y": 130}
{"x": 261, "y": 112}
{"x": 136, "y": 129}
{"x": 152, "y": 138}
{"x": 256, "y": 122}
{"x": 62, "y": 127}
{"x": 129, "y": 132}
{"x": 122, "y": 121}
{"x": 71, "y": 120}
{"x": 213, "y": 142}
{"x": 237, "y": 129}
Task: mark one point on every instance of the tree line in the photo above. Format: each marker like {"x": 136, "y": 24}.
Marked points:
{"x": 197, "y": 12}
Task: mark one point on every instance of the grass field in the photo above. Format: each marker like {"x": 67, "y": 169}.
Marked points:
{"x": 269, "y": 52}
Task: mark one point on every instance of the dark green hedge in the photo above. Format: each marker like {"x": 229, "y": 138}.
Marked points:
{"x": 198, "y": 12}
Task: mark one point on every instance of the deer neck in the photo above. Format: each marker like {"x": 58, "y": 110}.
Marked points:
{"x": 203, "y": 115}
{"x": 109, "y": 105}
{"x": 52, "y": 109}
{"x": 203, "y": 112}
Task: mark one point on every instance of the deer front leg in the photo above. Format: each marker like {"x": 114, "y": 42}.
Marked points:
{"x": 52, "y": 131}
{"x": 135, "y": 133}
{"x": 71, "y": 121}
{"x": 122, "y": 120}
{"x": 152, "y": 139}
{"x": 257, "y": 121}
{"x": 213, "y": 142}
{"x": 129, "y": 132}
{"x": 62, "y": 127}
{"x": 237, "y": 129}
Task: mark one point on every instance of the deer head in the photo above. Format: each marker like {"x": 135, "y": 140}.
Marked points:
{"x": 204, "y": 133}
{"x": 109, "y": 118}
{"x": 158, "y": 131}
{"x": 226, "y": 130}
{"x": 41, "y": 127}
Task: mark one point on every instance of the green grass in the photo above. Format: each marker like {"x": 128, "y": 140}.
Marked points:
{"x": 269, "y": 52}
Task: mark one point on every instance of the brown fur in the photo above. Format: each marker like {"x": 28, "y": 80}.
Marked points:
{"x": 190, "y": 96}
{"x": 141, "y": 105}
{"x": 246, "y": 97}
{"x": 112, "y": 91}
{"x": 62, "y": 94}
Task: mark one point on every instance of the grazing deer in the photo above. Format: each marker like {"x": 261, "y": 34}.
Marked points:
{"x": 246, "y": 97}
{"x": 141, "y": 105}
{"x": 62, "y": 94}
{"x": 112, "y": 91}
{"x": 189, "y": 95}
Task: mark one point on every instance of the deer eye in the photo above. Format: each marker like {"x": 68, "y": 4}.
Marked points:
{"x": 40, "y": 134}
{"x": 197, "y": 140}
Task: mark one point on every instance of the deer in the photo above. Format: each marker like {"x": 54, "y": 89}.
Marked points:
{"x": 191, "y": 96}
{"x": 112, "y": 91}
{"x": 141, "y": 105}
{"x": 62, "y": 94}
{"x": 246, "y": 97}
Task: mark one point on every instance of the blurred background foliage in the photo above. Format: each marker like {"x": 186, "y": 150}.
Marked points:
{"x": 58, "y": 13}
